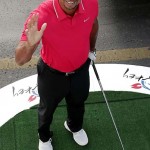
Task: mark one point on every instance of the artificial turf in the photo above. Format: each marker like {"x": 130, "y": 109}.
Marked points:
{"x": 131, "y": 112}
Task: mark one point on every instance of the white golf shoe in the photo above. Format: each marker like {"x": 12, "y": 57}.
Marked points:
{"x": 45, "y": 145}
{"x": 80, "y": 137}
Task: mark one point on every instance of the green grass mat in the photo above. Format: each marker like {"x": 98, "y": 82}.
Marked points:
{"x": 130, "y": 110}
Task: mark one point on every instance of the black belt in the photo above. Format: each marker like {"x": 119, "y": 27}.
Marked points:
{"x": 66, "y": 73}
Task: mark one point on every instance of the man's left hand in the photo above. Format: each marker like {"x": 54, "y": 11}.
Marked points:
{"x": 92, "y": 55}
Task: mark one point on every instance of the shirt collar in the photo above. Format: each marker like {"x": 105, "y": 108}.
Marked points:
{"x": 60, "y": 13}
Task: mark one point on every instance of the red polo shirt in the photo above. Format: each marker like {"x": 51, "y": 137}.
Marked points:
{"x": 65, "y": 42}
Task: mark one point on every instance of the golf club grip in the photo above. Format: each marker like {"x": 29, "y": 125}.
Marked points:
{"x": 96, "y": 73}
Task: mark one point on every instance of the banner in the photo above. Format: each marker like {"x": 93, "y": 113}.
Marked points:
{"x": 23, "y": 94}
{"x": 121, "y": 77}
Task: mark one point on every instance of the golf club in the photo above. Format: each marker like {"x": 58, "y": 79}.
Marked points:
{"x": 100, "y": 84}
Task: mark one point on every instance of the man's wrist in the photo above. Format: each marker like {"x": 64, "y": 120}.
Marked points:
{"x": 31, "y": 49}
{"x": 93, "y": 50}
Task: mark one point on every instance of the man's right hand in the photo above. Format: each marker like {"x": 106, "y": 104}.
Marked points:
{"x": 32, "y": 32}
{"x": 25, "y": 49}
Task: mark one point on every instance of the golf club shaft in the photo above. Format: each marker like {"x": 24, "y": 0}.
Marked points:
{"x": 100, "y": 84}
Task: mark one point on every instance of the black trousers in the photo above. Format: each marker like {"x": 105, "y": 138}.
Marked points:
{"x": 53, "y": 87}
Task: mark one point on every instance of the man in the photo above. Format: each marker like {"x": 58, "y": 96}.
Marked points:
{"x": 68, "y": 30}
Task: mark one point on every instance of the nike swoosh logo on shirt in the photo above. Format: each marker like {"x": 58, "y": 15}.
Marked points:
{"x": 85, "y": 20}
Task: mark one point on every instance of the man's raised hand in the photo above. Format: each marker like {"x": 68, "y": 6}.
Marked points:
{"x": 33, "y": 34}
